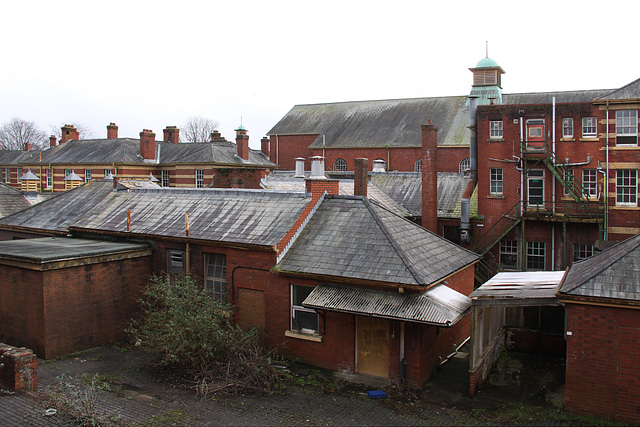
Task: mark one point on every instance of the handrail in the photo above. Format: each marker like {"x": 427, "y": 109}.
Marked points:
{"x": 498, "y": 230}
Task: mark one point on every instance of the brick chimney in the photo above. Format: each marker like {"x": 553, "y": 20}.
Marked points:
{"x": 112, "y": 131}
{"x": 318, "y": 183}
{"x": 52, "y": 141}
{"x": 69, "y": 132}
{"x": 429, "y": 177}
{"x": 264, "y": 146}
{"x": 242, "y": 141}
{"x": 27, "y": 146}
{"x": 171, "y": 134}
{"x": 148, "y": 144}
{"x": 216, "y": 136}
{"x": 361, "y": 177}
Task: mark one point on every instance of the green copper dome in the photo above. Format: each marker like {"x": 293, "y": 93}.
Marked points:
{"x": 487, "y": 63}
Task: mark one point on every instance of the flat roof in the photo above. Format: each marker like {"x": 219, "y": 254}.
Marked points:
{"x": 521, "y": 288}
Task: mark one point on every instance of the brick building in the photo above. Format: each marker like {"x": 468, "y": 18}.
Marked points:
{"x": 71, "y": 162}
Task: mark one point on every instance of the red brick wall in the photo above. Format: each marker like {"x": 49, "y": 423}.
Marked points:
{"x": 284, "y": 149}
{"x": 603, "y": 362}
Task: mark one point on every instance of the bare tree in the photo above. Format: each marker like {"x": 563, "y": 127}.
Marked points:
{"x": 84, "y": 131}
{"x": 197, "y": 129}
{"x": 16, "y": 133}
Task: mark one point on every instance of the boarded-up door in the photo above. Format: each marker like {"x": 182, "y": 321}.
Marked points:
{"x": 251, "y": 308}
{"x": 372, "y": 346}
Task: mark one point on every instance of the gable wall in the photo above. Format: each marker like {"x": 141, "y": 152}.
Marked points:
{"x": 283, "y": 149}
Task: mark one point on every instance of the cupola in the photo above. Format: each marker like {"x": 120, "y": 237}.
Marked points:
{"x": 487, "y": 82}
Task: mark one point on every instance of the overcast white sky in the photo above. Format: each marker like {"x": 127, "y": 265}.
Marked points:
{"x": 150, "y": 64}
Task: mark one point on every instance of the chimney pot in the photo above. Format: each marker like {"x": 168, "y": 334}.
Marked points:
{"x": 317, "y": 168}
{"x": 299, "y": 167}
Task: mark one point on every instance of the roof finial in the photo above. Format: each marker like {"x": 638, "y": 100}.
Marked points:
{"x": 487, "y": 48}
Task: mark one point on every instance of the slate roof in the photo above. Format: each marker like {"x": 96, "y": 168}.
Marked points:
{"x": 353, "y": 238}
{"x": 406, "y": 189}
{"x": 286, "y": 181}
{"x": 11, "y": 200}
{"x": 368, "y": 124}
{"x": 127, "y": 151}
{"x": 561, "y": 96}
{"x": 613, "y": 273}
{"x": 50, "y": 249}
{"x": 14, "y": 157}
{"x": 438, "y": 305}
{"x": 61, "y": 210}
{"x": 252, "y": 217}
{"x": 627, "y": 92}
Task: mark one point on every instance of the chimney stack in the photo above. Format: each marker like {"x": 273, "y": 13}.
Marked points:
{"x": 361, "y": 177}
{"x": 171, "y": 134}
{"x": 317, "y": 183}
{"x": 148, "y": 144}
{"x": 264, "y": 146}
{"x": 112, "y": 131}
{"x": 27, "y": 146}
{"x": 242, "y": 141}
{"x": 69, "y": 132}
{"x": 52, "y": 141}
{"x": 299, "y": 167}
{"x": 429, "y": 177}
{"x": 216, "y": 136}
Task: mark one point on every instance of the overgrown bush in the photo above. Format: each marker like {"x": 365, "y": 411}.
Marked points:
{"x": 189, "y": 329}
{"x": 79, "y": 401}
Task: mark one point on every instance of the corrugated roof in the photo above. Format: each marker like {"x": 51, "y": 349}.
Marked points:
{"x": 439, "y": 305}
{"x": 392, "y": 123}
{"x": 256, "y": 217}
{"x": 613, "y": 273}
{"x": 520, "y": 288}
{"x": 353, "y": 238}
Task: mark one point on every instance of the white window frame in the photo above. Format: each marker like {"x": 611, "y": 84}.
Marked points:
{"x": 508, "y": 250}
{"x": 589, "y": 127}
{"x": 107, "y": 172}
{"x": 464, "y": 166}
{"x": 536, "y": 252}
{"x": 199, "y": 178}
{"x": 627, "y": 126}
{"x": 340, "y": 165}
{"x": 496, "y": 180}
{"x": 627, "y": 187}
{"x": 582, "y": 251}
{"x": 567, "y": 127}
{"x": 215, "y": 275}
{"x": 417, "y": 166}
{"x": 166, "y": 178}
{"x": 569, "y": 177}
{"x": 7, "y": 175}
{"x": 67, "y": 172}
{"x": 495, "y": 129}
{"x": 49, "y": 178}
{"x": 590, "y": 182}
{"x": 19, "y": 174}
{"x": 87, "y": 175}
{"x": 297, "y": 308}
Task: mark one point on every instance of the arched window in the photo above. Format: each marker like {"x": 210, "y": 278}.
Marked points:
{"x": 417, "y": 166}
{"x": 340, "y": 165}
{"x": 465, "y": 164}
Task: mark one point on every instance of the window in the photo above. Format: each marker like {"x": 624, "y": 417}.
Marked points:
{"x": 199, "y": 178}
{"x": 19, "y": 174}
{"x": 87, "y": 175}
{"x": 567, "y": 128}
{"x": 627, "y": 187}
{"x": 627, "y": 127}
{"x": 340, "y": 165}
{"x": 508, "y": 255}
{"x": 535, "y": 255}
{"x": 176, "y": 261}
{"x": 464, "y": 166}
{"x": 581, "y": 251}
{"x": 495, "y": 129}
{"x": 2, "y": 174}
{"x": 590, "y": 182}
{"x": 67, "y": 172}
{"x": 569, "y": 179}
{"x": 303, "y": 320}
{"x": 495, "y": 185}
{"x": 417, "y": 166}
{"x": 535, "y": 187}
{"x": 589, "y": 127}
{"x": 7, "y": 175}
{"x": 49, "y": 176}
{"x": 108, "y": 172}
{"x": 165, "y": 178}
{"x": 216, "y": 275}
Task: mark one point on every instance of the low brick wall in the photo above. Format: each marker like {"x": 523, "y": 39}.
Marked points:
{"x": 18, "y": 368}
{"x": 479, "y": 372}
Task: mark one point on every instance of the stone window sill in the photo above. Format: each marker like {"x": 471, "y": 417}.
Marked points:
{"x": 306, "y": 337}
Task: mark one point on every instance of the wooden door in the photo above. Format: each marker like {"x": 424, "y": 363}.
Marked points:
{"x": 251, "y": 313}
{"x": 372, "y": 341}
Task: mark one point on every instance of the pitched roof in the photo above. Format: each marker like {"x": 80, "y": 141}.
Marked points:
{"x": 11, "y": 200}
{"x": 252, "y": 217}
{"x": 61, "y": 210}
{"x": 367, "y": 124}
{"x": 561, "y": 96}
{"x": 627, "y": 92}
{"x": 613, "y": 273}
{"x": 352, "y": 238}
{"x": 127, "y": 151}
{"x": 15, "y": 157}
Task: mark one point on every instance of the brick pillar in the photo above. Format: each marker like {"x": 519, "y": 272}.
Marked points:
{"x": 264, "y": 146}
{"x": 361, "y": 177}
{"x": 69, "y": 132}
{"x": 112, "y": 131}
{"x": 18, "y": 368}
{"x": 52, "y": 141}
{"x": 171, "y": 134}
{"x": 148, "y": 144}
{"x": 242, "y": 141}
{"x": 429, "y": 177}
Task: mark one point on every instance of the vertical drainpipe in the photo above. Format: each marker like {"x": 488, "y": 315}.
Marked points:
{"x": 606, "y": 178}
{"x": 522, "y": 191}
{"x": 465, "y": 208}
{"x": 277, "y": 152}
{"x": 553, "y": 187}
